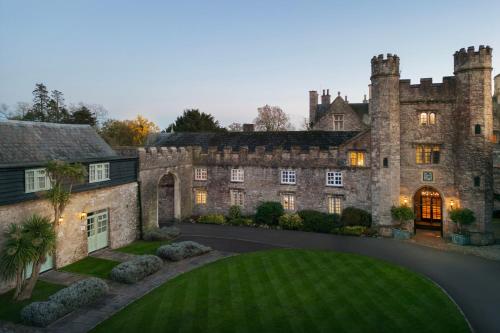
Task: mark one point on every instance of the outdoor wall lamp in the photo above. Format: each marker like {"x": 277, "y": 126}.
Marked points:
{"x": 452, "y": 204}
{"x": 405, "y": 201}
{"x": 61, "y": 219}
{"x": 83, "y": 216}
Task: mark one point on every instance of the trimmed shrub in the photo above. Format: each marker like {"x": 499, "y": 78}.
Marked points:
{"x": 42, "y": 313}
{"x": 402, "y": 214}
{"x": 315, "y": 221}
{"x": 352, "y": 216}
{"x": 160, "y": 234}
{"x": 234, "y": 212}
{"x": 462, "y": 216}
{"x": 181, "y": 250}
{"x": 212, "y": 219}
{"x": 333, "y": 219}
{"x": 241, "y": 221}
{"x": 291, "y": 222}
{"x": 136, "y": 269}
{"x": 269, "y": 213}
{"x": 64, "y": 301}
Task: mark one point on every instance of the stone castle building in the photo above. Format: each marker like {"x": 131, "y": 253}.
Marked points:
{"x": 426, "y": 145}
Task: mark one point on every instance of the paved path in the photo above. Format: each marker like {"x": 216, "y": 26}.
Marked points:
{"x": 473, "y": 282}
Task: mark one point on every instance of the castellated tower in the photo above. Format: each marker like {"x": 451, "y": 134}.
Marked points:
{"x": 385, "y": 138}
{"x": 474, "y": 132}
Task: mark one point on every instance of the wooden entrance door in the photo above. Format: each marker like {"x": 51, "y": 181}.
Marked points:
{"x": 428, "y": 209}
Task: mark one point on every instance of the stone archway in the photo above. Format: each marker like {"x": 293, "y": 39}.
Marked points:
{"x": 428, "y": 207}
{"x": 168, "y": 199}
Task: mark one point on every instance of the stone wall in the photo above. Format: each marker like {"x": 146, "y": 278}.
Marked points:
{"x": 352, "y": 122}
{"x": 121, "y": 202}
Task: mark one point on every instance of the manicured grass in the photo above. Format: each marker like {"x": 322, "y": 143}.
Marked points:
{"x": 142, "y": 247}
{"x": 292, "y": 291}
{"x": 92, "y": 266}
{"x": 11, "y": 310}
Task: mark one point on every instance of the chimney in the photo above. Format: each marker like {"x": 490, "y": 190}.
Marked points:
{"x": 325, "y": 98}
{"x": 497, "y": 88}
{"x": 364, "y": 99}
{"x": 313, "y": 106}
{"x": 248, "y": 127}
{"x": 346, "y": 99}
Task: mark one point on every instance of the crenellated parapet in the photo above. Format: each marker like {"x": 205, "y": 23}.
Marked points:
{"x": 471, "y": 59}
{"x": 161, "y": 157}
{"x": 427, "y": 91}
{"x": 385, "y": 66}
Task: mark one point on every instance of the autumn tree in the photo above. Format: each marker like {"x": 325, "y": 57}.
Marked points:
{"x": 127, "y": 132}
{"x": 272, "y": 119}
{"x": 192, "y": 120}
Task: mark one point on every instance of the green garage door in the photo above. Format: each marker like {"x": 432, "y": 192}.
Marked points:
{"x": 97, "y": 230}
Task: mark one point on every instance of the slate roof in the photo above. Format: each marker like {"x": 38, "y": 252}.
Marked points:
{"x": 24, "y": 143}
{"x": 270, "y": 140}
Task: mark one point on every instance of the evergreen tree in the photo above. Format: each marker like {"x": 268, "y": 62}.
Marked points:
{"x": 192, "y": 120}
{"x": 40, "y": 103}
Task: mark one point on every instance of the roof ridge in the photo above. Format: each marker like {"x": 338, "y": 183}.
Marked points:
{"x": 41, "y": 123}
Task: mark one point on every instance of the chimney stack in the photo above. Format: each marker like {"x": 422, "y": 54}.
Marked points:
{"x": 346, "y": 99}
{"x": 497, "y": 88}
{"x": 248, "y": 128}
{"x": 325, "y": 98}
{"x": 364, "y": 99}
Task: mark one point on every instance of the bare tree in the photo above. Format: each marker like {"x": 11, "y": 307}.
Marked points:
{"x": 306, "y": 125}
{"x": 4, "y": 111}
{"x": 235, "y": 127}
{"x": 272, "y": 119}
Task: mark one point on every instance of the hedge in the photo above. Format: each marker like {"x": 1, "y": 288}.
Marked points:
{"x": 352, "y": 216}
{"x": 160, "y": 234}
{"x": 269, "y": 213}
{"x": 134, "y": 270}
{"x": 181, "y": 250}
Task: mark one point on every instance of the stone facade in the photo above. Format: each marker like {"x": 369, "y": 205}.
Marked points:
{"x": 120, "y": 201}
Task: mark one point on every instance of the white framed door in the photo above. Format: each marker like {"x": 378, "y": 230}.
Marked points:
{"x": 97, "y": 230}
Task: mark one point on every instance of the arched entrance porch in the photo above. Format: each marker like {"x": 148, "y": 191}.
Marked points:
{"x": 168, "y": 199}
{"x": 428, "y": 208}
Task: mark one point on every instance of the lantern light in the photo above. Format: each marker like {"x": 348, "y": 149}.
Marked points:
{"x": 83, "y": 216}
{"x": 61, "y": 219}
{"x": 452, "y": 204}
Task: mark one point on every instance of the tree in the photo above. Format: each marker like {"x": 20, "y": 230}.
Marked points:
{"x": 40, "y": 103}
{"x": 235, "y": 127}
{"x": 141, "y": 128}
{"x": 272, "y": 119}
{"x": 192, "y": 120}
{"x": 306, "y": 125}
{"x": 82, "y": 115}
{"x": 127, "y": 132}
{"x": 56, "y": 112}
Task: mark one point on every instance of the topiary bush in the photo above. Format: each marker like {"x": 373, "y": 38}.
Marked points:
{"x": 160, "y": 234}
{"x": 212, "y": 219}
{"x": 402, "y": 214}
{"x": 241, "y": 221}
{"x": 333, "y": 219}
{"x": 136, "y": 269}
{"x": 315, "y": 221}
{"x": 291, "y": 222}
{"x": 352, "y": 216}
{"x": 181, "y": 250}
{"x": 462, "y": 216}
{"x": 234, "y": 212}
{"x": 269, "y": 213}
{"x": 64, "y": 301}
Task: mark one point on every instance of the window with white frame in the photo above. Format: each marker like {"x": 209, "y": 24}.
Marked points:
{"x": 288, "y": 177}
{"x": 288, "y": 201}
{"x": 200, "y": 174}
{"x": 200, "y": 196}
{"x": 98, "y": 172}
{"x": 334, "y": 178}
{"x": 237, "y": 198}
{"x": 335, "y": 204}
{"x": 338, "y": 122}
{"x": 36, "y": 180}
{"x": 237, "y": 175}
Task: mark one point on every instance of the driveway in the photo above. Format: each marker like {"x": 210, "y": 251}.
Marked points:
{"x": 473, "y": 282}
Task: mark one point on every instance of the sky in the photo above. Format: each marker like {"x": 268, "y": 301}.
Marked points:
{"x": 227, "y": 58}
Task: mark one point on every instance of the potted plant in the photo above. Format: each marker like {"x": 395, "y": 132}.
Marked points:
{"x": 403, "y": 229}
{"x": 462, "y": 217}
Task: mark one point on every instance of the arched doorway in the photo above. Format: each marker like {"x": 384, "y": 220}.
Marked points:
{"x": 428, "y": 209}
{"x": 167, "y": 199}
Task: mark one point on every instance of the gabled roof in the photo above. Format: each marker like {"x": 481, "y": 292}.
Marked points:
{"x": 361, "y": 109}
{"x": 25, "y": 143}
{"x": 270, "y": 140}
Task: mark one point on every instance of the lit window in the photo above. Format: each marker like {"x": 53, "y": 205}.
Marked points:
{"x": 288, "y": 201}
{"x": 423, "y": 118}
{"x": 357, "y": 158}
{"x": 237, "y": 175}
{"x": 338, "y": 122}
{"x": 98, "y": 172}
{"x": 201, "y": 196}
{"x": 432, "y": 118}
{"x": 36, "y": 180}
{"x": 334, "y": 178}
{"x": 237, "y": 198}
{"x": 200, "y": 174}
{"x": 288, "y": 177}
{"x": 335, "y": 204}
{"x": 427, "y": 154}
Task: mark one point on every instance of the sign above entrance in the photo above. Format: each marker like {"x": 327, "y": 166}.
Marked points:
{"x": 427, "y": 176}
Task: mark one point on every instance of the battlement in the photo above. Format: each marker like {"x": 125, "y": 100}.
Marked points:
{"x": 387, "y": 66}
{"x": 153, "y": 157}
{"x": 427, "y": 90}
{"x": 471, "y": 59}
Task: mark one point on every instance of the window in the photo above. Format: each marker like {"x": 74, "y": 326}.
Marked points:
{"x": 334, "y": 204}
{"x": 288, "y": 201}
{"x": 427, "y": 118}
{"x": 338, "y": 122}
{"x": 288, "y": 177}
{"x": 477, "y": 181}
{"x": 237, "y": 198}
{"x": 357, "y": 158}
{"x": 200, "y": 196}
{"x": 334, "y": 178}
{"x": 237, "y": 175}
{"x": 477, "y": 129}
{"x": 36, "y": 180}
{"x": 427, "y": 154}
{"x": 200, "y": 174}
{"x": 423, "y": 118}
{"x": 98, "y": 172}
{"x": 385, "y": 162}
{"x": 432, "y": 118}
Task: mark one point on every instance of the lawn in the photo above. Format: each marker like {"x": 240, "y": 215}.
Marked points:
{"x": 292, "y": 291}
{"x": 10, "y": 310}
{"x": 142, "y": 247}
{"x": 92, "y": 266}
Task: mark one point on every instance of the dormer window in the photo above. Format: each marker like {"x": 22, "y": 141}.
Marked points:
{"x": 357, "y": 158}
{"x": 338, "y": 122}
{"x": 36, "y": 180}
{"x": 98, "y": 172}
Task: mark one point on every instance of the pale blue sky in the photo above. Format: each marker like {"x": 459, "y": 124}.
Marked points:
{"x": 227, "y": 57}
